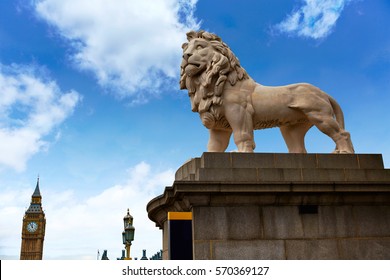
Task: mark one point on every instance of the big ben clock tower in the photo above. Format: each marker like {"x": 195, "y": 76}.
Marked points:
{"x": 33, "y": 230}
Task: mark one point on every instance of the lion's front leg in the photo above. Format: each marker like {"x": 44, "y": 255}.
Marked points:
{"x": 240, "y": 120}
{"x": 219, "y": 140}
{"x": 244, "y": 141}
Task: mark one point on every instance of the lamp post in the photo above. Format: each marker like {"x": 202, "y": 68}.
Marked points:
{"x": 128, "y": 233}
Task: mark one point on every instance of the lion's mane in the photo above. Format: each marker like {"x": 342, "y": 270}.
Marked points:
{"x": 206, "y": 88}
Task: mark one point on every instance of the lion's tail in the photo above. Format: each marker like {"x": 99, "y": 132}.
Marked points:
{"x": 337, "y": 112}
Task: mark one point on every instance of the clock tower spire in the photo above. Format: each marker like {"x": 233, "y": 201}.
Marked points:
{"x": 33, "y": 230}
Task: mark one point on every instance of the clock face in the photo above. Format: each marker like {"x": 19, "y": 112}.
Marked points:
{"x": 32, "y": 227}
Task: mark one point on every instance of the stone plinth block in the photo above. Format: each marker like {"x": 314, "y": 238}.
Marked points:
{"x": 281, "y": 206}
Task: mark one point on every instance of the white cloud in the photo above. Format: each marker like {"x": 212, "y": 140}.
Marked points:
{"x": 132, "y": 47}
{"x": 31, "y": 106}
{"x": 77, "y": 228}
{"x": 315, "y": 19}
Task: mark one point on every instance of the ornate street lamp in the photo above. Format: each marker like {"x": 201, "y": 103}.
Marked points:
{"x": 128, "y": 233}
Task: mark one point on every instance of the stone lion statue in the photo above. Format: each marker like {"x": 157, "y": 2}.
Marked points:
{"x": 229, "y": 101}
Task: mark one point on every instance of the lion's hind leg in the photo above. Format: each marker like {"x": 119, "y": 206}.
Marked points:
{"x": 329, "y": 126}
{"x": 294, "y": 136}
{"x": 344, "y": 146}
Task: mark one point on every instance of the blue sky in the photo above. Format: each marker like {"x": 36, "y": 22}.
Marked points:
{"x": 90, "y": 101}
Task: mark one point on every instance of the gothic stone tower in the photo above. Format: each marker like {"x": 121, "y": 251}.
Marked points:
{"x": 33, "y": 230}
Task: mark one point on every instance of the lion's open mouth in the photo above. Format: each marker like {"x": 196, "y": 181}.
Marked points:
{"x": 193, "y": 68}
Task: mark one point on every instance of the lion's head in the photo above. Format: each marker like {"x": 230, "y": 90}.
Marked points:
{"x": 206, "y": 66}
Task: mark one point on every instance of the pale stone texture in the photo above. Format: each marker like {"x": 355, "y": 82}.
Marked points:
{"x": 249, "y": 250}
{"x": 312, "y": 249}
{"x": 247, "y": 206}
{"x": 282, "y": 222}
{"x": 230, "y": 102}
{"x": 238, "y": 222}
{"x": 375, "y": 248}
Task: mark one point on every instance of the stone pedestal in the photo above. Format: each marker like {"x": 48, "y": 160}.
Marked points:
{"x": 281, "y": 206}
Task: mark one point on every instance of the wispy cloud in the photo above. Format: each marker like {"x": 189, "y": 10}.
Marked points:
{"x": 97, "y": 220}
{"x": 314, "y": 19}
{"x": 132, "y": 47}
{"x": 31, "y": 107}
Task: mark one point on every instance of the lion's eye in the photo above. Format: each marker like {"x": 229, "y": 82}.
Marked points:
{"x": 199, "y": 47}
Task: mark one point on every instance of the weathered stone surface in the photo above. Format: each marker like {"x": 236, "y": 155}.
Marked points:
{"x": 187, "y": 171}
{"x": 249, "y": 250}
{"x": 328, "y": 175}
{"x": 253, "y": 167}
{"x": 249, "y": 209}
{"x": 295, "y": 160}
{"x": 244, "y": 222}
{"x": 243, "y": 199}
{"x": 203, "y": 250}
{"x": 337, "y": 161}
{"x": 227, "y": 174}
{"x": 281, "y": 222}
{"x": 336, "y": 221}
{"x": 370, "y": 161}
{"x": 322, "y": 249}
{"x": 372, "y": 220}
{"x": 252, "y": 160}
{"x": 165, "y": 238}
{"x": 310, "y": 224}
{"x": 209, "y": 222}
{"x": 365, "y": 249}
{"x": 216, "y": 160}
{"x": 237, "y": 223}
{"x": 373, "y": 175}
